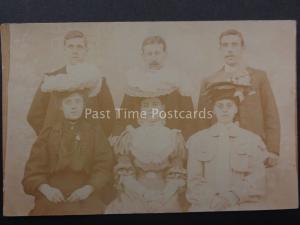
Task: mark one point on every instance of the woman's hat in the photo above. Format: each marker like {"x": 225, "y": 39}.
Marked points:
{"x": 226, "y": 90}
{"x": 64, "y": 94}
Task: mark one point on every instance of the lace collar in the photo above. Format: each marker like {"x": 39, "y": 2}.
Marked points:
{"x": 145, "y": 83}
{"x": 153, "y": 144}
{"x": 79, "y": 76}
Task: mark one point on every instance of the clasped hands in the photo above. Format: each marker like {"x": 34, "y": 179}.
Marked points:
{"x": 56, "y": 196}
{"x": 171, "y": 188}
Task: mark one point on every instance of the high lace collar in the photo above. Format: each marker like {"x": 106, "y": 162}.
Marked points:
{"x": 142, "y": 82}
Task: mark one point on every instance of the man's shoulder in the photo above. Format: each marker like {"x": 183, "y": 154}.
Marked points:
{"x": 257, "y": 73}
{"x": 211, "y": 77}
{"x": 57, "y": 71}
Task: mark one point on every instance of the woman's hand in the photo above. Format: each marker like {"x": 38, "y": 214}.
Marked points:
{"x": 52, "y": 194}
{"x": 272, "y": 160}
{"x": 154, "y": 196}
{"x": 81, "y": 193}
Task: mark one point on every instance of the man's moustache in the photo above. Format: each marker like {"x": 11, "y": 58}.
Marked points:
{"x": 154, "y": 64}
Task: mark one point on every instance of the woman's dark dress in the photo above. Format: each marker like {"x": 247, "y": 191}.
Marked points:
{"x": 68, "y": 156}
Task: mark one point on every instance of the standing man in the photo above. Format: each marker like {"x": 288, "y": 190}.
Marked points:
{"x": 156, "y": 78}
{"x": 258, "y": 110}
{"x": 43, "y": 111}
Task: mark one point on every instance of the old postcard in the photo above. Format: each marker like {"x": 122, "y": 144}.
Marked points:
{"x": 149, "y": 117}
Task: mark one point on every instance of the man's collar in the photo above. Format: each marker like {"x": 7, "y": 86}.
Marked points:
{"x": 240, "y": 69}
{"x": 153, "y": 71}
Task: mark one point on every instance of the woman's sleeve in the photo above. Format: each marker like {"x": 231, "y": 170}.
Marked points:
{"x": 124, "y": 166}
{"x": 253, "y": 186}
{"x": 178, "y": 158}
{"x": 103, "y": 161}
{"x": 37, "y": 166}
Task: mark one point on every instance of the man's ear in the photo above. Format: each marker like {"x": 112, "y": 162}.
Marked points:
{"x": 235, "y": 109}
{"x": 244, "y": 47}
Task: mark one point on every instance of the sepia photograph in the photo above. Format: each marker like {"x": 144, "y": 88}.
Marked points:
{"x": 149, "y": 117}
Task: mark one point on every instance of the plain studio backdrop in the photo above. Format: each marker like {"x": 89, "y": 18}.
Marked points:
{"x": 116, "y": 48}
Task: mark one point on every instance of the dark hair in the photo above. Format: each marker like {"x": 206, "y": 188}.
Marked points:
{"x": 154, "y": 40}
{"x": 61, "y": 95}
{"x": 75, "y": 34}
{"x": 232, "y": 32}
{"x": 232, "y": 98}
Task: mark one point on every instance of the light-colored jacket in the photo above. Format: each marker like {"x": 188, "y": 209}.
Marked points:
{"x": 247, "y": 153}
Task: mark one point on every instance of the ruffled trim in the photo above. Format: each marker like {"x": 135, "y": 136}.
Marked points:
{"x": 121, "y": 144}
{"x": 152, "y": 166}
{"x": 80, "y": 77}
{"x": 143, "y": 83}
{"x": 161, "y": 144}
{"x": 138, "y": 92}
{"x": 131, "y": 142}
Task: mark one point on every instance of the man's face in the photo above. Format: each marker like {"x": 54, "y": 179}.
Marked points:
{"x": 75, "y": 50}
{"x": 231, "y": 49}
{"x": 72, "y": 106}
{"x": 148, "y": 105}
{"x": 154, "y": 56}
{"x": 225, "y": 110}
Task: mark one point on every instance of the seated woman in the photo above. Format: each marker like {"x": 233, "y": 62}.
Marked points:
{"x": 69, "y": 164}
{"x": 150, "y": 169}
{"x": 225, "y": 162}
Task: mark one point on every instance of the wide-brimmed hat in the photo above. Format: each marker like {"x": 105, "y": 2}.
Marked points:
{"x": 226, "y": 90}
{"x": 64, "y": 94}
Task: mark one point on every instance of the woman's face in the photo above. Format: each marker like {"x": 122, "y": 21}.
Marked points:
{"x": 225, "y": 110}
{"x": 152, "y": 107}
{"x": 72, "y": 106}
